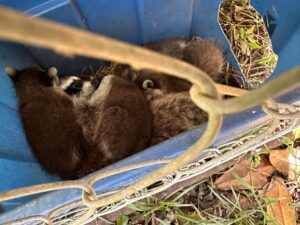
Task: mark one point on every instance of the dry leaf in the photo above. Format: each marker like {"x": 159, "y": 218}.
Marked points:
{"x": 257, "y": 177}
{"x": 246, "y": 202}
{"x": 279, "y": 159}
{"x": 280, "y": 209}
{"x": 286, "y": 163}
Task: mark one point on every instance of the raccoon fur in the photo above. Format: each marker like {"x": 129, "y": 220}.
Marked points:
{"x": 115, "y": 117}
{"x": 202, "y": 53}
{"x": 49, "y": 121}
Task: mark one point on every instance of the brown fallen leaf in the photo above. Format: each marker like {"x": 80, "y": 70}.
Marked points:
{"x": 257, "y": 177}
{"x": 280, "y": 209}
{"x": 279, "y": 159}
{"x": 286, "y": 162}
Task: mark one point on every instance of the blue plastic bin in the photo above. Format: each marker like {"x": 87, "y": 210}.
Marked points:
{"x": 135, "y": 21}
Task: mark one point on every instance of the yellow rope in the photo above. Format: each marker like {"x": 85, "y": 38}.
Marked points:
{"x": 97, "y": 177}
{"x": 73, "y": 41}
{"x": 286, "y": 82}
{"x": 41, "y": 188}
{"x": 84, "y": 185}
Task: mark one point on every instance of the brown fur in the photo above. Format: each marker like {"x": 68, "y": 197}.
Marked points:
{"x": 173, "y": 111}
{"x": 173, "y": 114}
{"x": 174, "y": 47}
{"x": 116, "y": 118}
{"x": 50, "y": 123}
{"x": 204, "y": 54}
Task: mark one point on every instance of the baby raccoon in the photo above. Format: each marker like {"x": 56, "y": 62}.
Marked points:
{"x": 49, "y": 121}
{"x": 172, "y": 109}
{"x": 204, "y": 54}
{"x": 115, "y": 117}
{"x": 172, "y": 114}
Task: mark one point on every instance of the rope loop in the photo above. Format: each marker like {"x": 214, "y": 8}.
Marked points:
{"x": 90, "y": 202}
{"x": 284, "y": 83}
{"x": 41, "y": 188}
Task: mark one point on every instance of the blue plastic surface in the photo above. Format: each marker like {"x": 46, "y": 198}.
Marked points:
{"x": 137, "y": 22}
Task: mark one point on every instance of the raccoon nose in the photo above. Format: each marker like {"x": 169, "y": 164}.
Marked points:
{"x": 95, "y": 82}
{"x": 75, "y": 87}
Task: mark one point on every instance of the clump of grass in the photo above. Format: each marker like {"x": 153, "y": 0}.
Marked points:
{"x": 226, "y": 209}
{"x": 250, "y": 41}
{"x": 202, "y": 203}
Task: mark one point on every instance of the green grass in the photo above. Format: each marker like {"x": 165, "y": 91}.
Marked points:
{"x": 250, "y": 41}
{"x": 171, "y": 210}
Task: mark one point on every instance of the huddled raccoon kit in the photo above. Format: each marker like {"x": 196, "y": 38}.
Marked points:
{"x": 173, "y": 111}
{"x": 72, "y": 137}
{"x": 115, "y": 117}
{"x": 108, "y": 118}
{"x": 202, "y": 53}
{"x": 49, "y": 121}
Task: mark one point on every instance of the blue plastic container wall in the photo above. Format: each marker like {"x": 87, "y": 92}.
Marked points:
{"x": 137, "y": 22}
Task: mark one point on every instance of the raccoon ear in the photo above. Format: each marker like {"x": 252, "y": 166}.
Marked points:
{"x": 10, "y": 71}
{"x": 133, "y": 75}
{"x": 148, "y": 84}
{"x": 52, "y": 72}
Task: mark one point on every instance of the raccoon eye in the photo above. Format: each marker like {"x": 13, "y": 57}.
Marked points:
{"x": 95, "y": 82}
{"x": 77, "y": 84}
{"x": 147, "y": 84}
